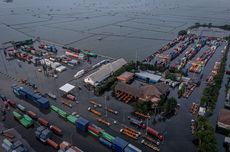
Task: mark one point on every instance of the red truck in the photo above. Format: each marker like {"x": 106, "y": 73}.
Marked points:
{"x": 56, "y": 130}
{"x": 43, "y": 122}
{"x": 32, "y": 114}
{"x": 155, "y": 133}
{"x": 52, "y": 144}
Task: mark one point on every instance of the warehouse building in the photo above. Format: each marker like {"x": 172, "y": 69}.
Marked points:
{"x": 152, "y": 93}
{"x": 224, "y": 119}
{"x": 148, "y": 77}
{"x": 104, "y": 72}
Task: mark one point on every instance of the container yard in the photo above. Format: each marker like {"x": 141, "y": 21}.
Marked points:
{"x": 126, "y": 76}
{"x": 74, "y": 104}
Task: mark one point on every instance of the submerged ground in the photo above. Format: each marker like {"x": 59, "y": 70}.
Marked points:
{"x": 132, "y": 29}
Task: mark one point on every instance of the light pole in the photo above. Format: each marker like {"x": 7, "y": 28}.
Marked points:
{"x": 106, "y": 113}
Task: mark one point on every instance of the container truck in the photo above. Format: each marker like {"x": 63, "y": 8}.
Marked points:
{"x": 155, "y": 133}
{"x": 56, "y": 130}
{"x": 43, "y": 122}
{"x": 32, "y": 114}
{"x": 136, "y": 122}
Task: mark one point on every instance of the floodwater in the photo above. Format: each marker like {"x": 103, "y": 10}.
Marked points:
{"x": 132, "y": 29}
{"x": 129, "y": 28}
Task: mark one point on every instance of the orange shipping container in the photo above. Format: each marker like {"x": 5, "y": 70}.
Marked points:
{"x": 32, "y": 114}
{"x": 43, "y": 122}
{"x": 56, "y": 130}
{"x": 52, "y": 143}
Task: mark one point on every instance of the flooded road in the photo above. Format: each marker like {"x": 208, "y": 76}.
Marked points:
{"x": 132, "y": 29}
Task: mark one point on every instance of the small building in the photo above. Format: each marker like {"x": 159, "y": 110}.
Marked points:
{"x": 148, "y": 93}
{"x": 148, "y": 77}
{"x": 104, "y": 72}
{"x": 125, "y": 77}
{"x": 224, "y": 119}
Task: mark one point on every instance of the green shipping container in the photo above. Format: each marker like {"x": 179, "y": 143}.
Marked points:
{"x": 17, "y": 115}
{"x": 72, "y": 119}
{"x": 54, "y": 108}
{"x": 28, "y": 118}
{"x": 62, "y": 114}
{"x": 25, "y": 123}
{"x": 107, "y": 136}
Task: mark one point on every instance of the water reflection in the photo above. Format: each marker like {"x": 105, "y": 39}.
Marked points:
{"x": 8, "y": 1}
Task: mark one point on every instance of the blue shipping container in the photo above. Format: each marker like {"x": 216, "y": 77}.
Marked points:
{"x": 132, "y": 148}
{"x": 119, "y": 144}
{"x": 43, "y": 103}
{"x": 105, "y": 142}
{"x": 82, "y": 124}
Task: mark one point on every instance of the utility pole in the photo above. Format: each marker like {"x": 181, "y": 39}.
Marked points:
{"x": 106, "y": 112}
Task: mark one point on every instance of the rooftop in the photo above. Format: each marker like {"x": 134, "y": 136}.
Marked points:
{"x": 126, "y": 76}
{"x": 224, "y": 119}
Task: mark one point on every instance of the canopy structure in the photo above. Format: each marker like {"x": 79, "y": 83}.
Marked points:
{"x": 67, "y": 87}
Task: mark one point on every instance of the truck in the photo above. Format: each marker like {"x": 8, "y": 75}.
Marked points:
{"x": 32, "y": 114}
{"x": 94, "y": 111}
{"x": 136, "y": 122}
{"x": 31, "y": 96}
{"x": 155, "y": 133}
{"x": 79, "y": 74}
{"x": 43, "y": 122}
{"x": 56, "y": 129}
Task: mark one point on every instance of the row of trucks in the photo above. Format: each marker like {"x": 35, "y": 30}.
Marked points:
{"x": 27, "y": 119}
{"x": 83, "y": 125}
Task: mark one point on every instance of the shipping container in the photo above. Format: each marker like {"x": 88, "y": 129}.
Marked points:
{"x": 17, "y": 115}
{"x": 72, "y": 119}
{"x": 17, "y": 144}
{"x": 43, "y": 122}
{"x": 20, "y": 107}
{"x": 93, "y": 130}
{"x": 119, "y": 144}
{"x": 105, "y": 142}
{"x": 52, "y": 143}
{"x": 107, "y": 136}
{"x": 154, "y": 133}
{"x": 32, "y": 114}
{"x": 132, "y": 148}
{"x": 56, "y": 130}
{"x": 54, "y": 108}
{"x": 82, "y": 124}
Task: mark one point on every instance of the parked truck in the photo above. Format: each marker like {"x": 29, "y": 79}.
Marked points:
{"x": 155, "y": 133}
{"x": 136, "y": 122}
